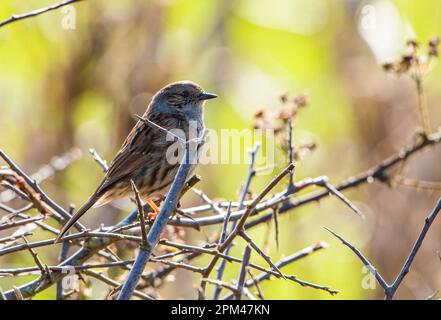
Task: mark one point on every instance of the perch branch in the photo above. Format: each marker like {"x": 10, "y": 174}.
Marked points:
{"x": 160, "y": 222}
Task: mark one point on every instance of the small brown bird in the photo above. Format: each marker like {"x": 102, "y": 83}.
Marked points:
{"x": 143, "y": 156}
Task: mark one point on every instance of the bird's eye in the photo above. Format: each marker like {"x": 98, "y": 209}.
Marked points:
{"x": 185, "y": 94}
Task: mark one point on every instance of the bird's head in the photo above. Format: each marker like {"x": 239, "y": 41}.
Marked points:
{"x": 184, "y": 98}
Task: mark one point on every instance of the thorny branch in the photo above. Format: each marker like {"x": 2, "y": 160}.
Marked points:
{"x": 251, "y": 174}
{"x": 390, "y": 290}
{"x": 94, "y": 241}
{"x": 243, "y": 215}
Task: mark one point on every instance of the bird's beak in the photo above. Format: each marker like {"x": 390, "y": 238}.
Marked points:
{"x": 207, "y": 96}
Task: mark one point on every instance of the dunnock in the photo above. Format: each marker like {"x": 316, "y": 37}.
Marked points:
{"x": 142, "y": 157}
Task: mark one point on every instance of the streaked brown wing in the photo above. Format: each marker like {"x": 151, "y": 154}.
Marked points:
{"x": 133, "y": 154}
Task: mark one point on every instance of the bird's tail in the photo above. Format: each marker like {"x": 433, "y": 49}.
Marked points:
{"x": 77, "y": 215}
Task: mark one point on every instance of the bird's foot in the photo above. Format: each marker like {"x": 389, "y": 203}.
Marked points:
{"x": 152, "y": 204}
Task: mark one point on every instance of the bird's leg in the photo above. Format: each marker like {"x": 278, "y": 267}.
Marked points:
{"x": 152, "y": 204}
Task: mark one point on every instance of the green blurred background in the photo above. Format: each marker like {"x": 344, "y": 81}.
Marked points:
{"x": 62, "y": 88}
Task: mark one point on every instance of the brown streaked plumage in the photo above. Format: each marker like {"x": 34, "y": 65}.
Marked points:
{"x": 144, "y": 156}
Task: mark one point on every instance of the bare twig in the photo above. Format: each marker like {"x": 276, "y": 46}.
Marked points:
{"x": 286, "y": 261}
{"x": 422, "y": 104}
{"x": 339, "y": 195}
{"x": 113, "y": 283}
{"x": 256, "y": 284}
{"x": 276, "y": 224}
{"x": 365, "y": 261}
{"x": 417, "y": 183}
{"x": 14, "y": 224}
{"x": 291, "y": 188}
{"x": 239, "y": 228}
{"x": 390, "y": 290}
{"x": 92, "y": 245}
{"x": 17, "y": 293}
{"x": 2, "y": 295}
{"x": 80, "y": 235}
{"x": 36, "y": 188}
{"x": 101, "y": 162}
{"x": 46, "y": 171}
{"x": 35, "y": 257}
{"x": 405, "y": 269}
{"x": 266, "y": 257}
{"x": 140, "y": 214}
{"x": 63, "y": 255}
{"x": 250, "y": 209}
{"x": 243, "y": 272}
{"x": 251, "y": 174}
{"x": 376, "y": 173}
{"x": 225, "y": 226}
{"x": 9, "y": 239}
{"x": 168, "y": 132}
{"x": 37, "y": 12}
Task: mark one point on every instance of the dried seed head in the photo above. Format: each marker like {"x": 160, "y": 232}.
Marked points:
{"x": 413, "y": 43}
{"x": 291, "y": 106}
{"x": 260, "y": 113}
{"x": 301, "y": 101}
{"x": 304, "y": 150}
{"x": 405, "y": 63}
{"x": 388, "y": 67}
{"x": 249, "y": 195}
{"x": 433, "y": 46}
{"x": 310, "y": 145}
{"x": 284, "y": 98}
{"x": 285, "y": 114}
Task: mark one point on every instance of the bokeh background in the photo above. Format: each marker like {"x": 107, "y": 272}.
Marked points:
{"x": 78, "y": 88}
